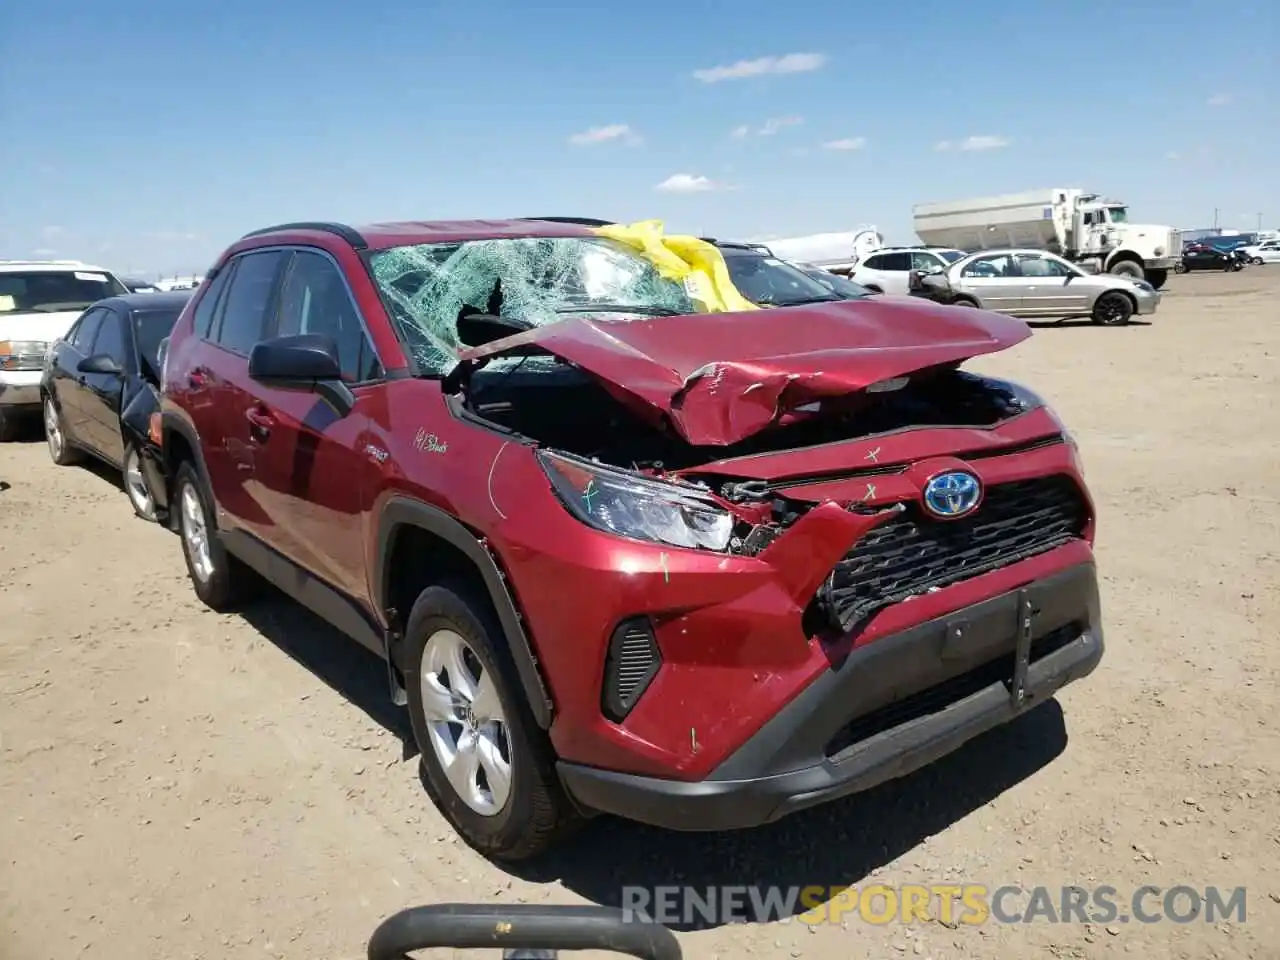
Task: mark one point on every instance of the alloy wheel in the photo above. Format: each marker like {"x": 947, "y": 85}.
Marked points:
{"x": 466, "y": 724}
{"x": 135, "y": 485}
{"x": 195, "y": 534}
{"x": 53, "y": 429}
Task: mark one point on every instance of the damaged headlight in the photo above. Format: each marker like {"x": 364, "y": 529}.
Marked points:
{"x": 632, "y": 507}
{"x": 1027, "y": 399}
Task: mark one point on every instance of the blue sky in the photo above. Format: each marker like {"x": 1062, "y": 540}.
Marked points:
{"x": 144, "y": 138}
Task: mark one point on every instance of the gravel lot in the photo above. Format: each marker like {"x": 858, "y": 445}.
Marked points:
{"x": 180, "y": 784}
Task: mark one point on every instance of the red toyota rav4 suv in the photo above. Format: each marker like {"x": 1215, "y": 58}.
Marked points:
{"x": 621, "y": 554}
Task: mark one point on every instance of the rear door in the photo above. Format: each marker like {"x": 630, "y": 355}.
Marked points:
{"x": 995, "y": 281}
{"x": 311, "y": 473}
{"x": 102, "y": 391}
{"x": 1049, "y": 289}
{"x": 236, "y": 325}
{"x": 67, "y": 383}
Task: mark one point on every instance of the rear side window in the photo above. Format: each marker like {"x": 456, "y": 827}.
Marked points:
{"x": 896, "y": 261}
{"x": 874, "y": 263}
{"x": 244, "y": 309}
{"x": 209, "y": 302}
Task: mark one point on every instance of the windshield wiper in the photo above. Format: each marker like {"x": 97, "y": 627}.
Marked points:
{"x": 623, "y": 308}
{"x": 808, "y": 300}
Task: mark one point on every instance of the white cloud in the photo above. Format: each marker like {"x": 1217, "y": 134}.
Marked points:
{"x": 688, "y": 183}
{"x": 50, "y": 232}
{"x": 43, "y": 252}
{"x": 848, "y": 143}
{"x": 776, "y": 124}
{"x": 974, "y": 144}
{"x": 605, "y": 134}
{"x": 771, "y": 127}
{"x": 1219, "y": 100}
{"x": 787, "y": 63}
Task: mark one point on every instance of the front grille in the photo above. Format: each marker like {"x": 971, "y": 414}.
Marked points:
{"x": 915, "y": 554}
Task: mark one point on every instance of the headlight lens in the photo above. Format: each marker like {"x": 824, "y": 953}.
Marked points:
{"x": 629, "y": 506}
{"x": 22, "y": 354}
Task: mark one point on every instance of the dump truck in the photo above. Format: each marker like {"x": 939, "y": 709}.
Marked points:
{"x": 1084, "y": 227}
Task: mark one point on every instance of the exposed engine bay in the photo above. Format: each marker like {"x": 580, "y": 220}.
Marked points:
{"x": 564, "y": 408}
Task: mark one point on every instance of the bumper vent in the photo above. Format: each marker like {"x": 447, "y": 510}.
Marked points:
{"x": 631, "y": 664}
{"x": 915, "y": 554}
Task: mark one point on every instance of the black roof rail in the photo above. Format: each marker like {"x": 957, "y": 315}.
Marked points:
{"x": 349, "y": 234}
{"x": 580, "y": 221}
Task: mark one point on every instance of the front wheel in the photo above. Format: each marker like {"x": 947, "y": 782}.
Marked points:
{"x": 1112, "y": 310}
{"x": 1127, "y": 268}
{"x": 55, "y": 434}
{"x": 1179, "y": 268}
{"x": 485, "y": 763}
{"x": 1256, "y": 261}
{"x": 1157, "y": 278}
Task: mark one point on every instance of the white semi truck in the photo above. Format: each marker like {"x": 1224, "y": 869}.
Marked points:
{"x": 835, "y": 252}
{"x": 1085, "y": 227}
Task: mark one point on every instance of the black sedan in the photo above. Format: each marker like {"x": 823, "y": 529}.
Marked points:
{"x": 101, "y": 387}
{"x": 1205, "y": 257}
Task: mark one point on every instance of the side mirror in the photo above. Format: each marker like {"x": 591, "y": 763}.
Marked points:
{"x": 99, "y": 363}
{"x": 305, "y": 362}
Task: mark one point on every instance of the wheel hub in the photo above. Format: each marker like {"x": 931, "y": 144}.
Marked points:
{"x": 466, "y": 725}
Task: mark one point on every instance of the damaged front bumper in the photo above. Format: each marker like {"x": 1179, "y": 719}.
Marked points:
{"x": 888, "y": 709}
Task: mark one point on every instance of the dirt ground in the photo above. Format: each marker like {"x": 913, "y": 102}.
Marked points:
{"x": 179, "y": 784}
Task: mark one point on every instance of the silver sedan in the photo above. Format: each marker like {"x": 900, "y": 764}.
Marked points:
{"x": 1034, "y": 284}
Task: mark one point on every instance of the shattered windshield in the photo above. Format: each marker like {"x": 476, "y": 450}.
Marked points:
{"x": 537, "y": 280}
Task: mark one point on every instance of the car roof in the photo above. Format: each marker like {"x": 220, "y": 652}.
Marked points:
{"x": 380, "y": 236}
{"x": 51, "y": 266}
{"x": 175, "y": 300}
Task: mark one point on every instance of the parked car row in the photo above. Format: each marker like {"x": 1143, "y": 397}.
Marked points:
{"x": 427, "y": 433}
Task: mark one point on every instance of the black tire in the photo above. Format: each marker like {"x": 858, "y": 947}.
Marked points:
{"x": 1179, "y": 267}
{"x": 1256, "y": 261}
{"x": 1127, "y": 268}
{"x": 228, "y": 582}
{"x": 1112, "y": 309}
{"x": 10, "y": 426}
{"x": 1157, "y": 278}
{"x": 536, "y": 813}
{"x": 964, "y": 303}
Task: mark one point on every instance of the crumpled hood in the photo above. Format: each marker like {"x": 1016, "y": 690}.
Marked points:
{"x": 45, "y": 327}
{"x": 720, "y": 377}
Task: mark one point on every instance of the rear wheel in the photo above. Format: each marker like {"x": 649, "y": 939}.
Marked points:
{"x": 964, "y": 303}
{"x": 220, "y": 580}
{"x": 1112, "y": 310}
{"x": 135, "y": 484}
{"x": 1179, "y": 267}
{"x": 486, "y": 764}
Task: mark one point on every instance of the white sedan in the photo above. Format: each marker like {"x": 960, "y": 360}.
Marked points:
{"x": 1266, "y": 252}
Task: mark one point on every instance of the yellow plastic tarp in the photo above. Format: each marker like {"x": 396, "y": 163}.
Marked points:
{"x": 694, "y": 262}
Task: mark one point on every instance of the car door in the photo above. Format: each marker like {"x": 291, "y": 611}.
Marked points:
{"x": 1269, "y": 252}
{"x": 67, "y": 383}
{"x": 1050, "y": 287}
{"x": 994, "y": 279}
{"x": 226, "y": 393}
{"x": 102, "y": 392}
{"x": 310, "y": 465}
